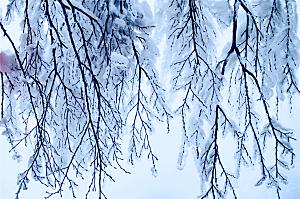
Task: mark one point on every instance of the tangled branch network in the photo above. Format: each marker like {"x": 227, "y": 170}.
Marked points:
{"x": 82, "y": 87}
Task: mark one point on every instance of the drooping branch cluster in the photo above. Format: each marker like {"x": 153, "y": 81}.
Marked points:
{"x": 81, "y": 78}
{"x": 191, "y": 38}
{"x": 258, "y": 67}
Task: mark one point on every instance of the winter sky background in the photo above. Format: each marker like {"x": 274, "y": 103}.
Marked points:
{"x": 170, "y": 183}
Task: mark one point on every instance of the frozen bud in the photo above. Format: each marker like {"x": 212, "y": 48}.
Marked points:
{"x": 7, "y": 62}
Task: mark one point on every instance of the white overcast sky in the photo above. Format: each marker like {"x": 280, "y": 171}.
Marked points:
{"x": 170, "y": 182}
